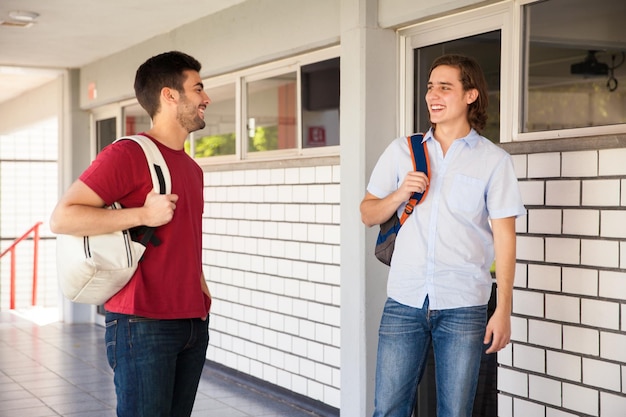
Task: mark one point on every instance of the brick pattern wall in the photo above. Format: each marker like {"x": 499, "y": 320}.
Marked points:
{"x": 568, "y": 353}
{"x": 28, "y": 193}
{"x": 271, "y": 258}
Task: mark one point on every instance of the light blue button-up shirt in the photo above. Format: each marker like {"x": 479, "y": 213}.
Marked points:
{"x": 445, "y": 248}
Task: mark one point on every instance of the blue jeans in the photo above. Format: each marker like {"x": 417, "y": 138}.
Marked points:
{"x": 157, "y": 364}
{"x": 405, "y": 337}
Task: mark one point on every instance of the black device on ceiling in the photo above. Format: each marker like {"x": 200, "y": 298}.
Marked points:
{"x": 590, "y": 67}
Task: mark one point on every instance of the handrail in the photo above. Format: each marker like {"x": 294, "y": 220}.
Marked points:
{"x": 11, "y": 249}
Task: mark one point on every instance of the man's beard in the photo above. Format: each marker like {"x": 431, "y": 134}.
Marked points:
{"x": 188, "y": 117}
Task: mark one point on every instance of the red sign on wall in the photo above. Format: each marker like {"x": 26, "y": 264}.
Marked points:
{"x": 317, "y": 136}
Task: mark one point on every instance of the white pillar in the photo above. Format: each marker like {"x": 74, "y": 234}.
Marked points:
{"x": 368, "y": 123}
{"x": 74, "y": 157}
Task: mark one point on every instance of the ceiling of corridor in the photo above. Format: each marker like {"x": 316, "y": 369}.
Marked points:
{"x": 72, "y": 33}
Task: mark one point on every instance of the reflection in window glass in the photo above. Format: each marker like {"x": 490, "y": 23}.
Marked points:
{"x": 485, "y": 48}
{"x": 136, "y": 120}
{"x": 272, "y": 113}
{"x": 574, "y": 63}
{"x": 320, "y": 104}
{"x": 218, "y": 136}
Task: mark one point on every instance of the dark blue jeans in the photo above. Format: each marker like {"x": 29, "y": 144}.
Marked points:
{"x": 157, "y": 364}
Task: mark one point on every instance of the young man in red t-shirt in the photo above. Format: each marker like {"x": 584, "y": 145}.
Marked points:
{"x": 157, "y": 326}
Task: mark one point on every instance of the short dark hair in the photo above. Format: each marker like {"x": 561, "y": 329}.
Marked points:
{"x": 472, "y": 76}
{"x": 163, "y": 70}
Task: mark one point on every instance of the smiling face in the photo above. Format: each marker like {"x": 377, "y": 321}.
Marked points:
{"x": 193, "y": 102}
{"x": 446, "y": 99}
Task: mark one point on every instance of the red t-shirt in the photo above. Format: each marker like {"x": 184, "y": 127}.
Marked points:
{"x": 167, "y": 283}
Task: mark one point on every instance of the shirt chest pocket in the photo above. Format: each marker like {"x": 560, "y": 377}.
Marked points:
{"x": 467, "y": 194}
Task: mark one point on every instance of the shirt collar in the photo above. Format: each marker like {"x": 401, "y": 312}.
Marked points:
{"x": 471, "y": 139}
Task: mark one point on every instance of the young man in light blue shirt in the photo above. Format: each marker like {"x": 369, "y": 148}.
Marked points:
{"x": 439, "y": 279}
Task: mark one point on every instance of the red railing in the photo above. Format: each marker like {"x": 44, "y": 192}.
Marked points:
{"x": 11, "y": 249}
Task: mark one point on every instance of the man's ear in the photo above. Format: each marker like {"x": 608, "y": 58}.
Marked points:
{"x": 169, "y": 94}
{"x": 472, "y": 96}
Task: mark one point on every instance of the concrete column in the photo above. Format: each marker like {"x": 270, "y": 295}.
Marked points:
{"x": 74, "y": 157}
{"x": 368, "y": 123}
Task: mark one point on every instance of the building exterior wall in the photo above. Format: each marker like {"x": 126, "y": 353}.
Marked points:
{"x": 297, "y": 291}
{"x": 567, "y": 355}
{"x": 271, "y": 254}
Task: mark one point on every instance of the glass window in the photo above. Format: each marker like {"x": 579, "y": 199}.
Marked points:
{"x": 219, "y": 135}
{"x": 272, "y": 113}
{"x": 575, "y": 75}
{"x": 287, "y": 108}
{"x": 320, "y": 104}
{"x": 485, "y": 48}
{"x": 136, "y": 120}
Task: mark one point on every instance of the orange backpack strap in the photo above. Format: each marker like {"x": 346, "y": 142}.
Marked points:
{"x": 419, "y": 154}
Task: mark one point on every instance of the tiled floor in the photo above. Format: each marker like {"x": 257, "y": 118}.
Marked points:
{"x": 48, "y": 368}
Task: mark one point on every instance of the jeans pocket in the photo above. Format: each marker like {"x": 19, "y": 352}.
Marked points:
{"x": 110, "y": 339}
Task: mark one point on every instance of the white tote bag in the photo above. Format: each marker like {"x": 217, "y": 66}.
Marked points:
{"x": 91, "y": 269}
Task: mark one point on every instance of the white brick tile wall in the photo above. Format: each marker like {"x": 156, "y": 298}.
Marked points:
{"x": 562, "y": 250}
{"x": 602, "y": 253}
{"x": 521, "y": 224}
{"x": 529, "y": 358}
{"x": 521, "y": 275}
{"x": 563, "y": 365}
{"x": 273, "y": 268}
{"x": 613, "y": 346}
{"x": 563, "y": 193}
{"x": 527, "y": 408}
{"x": 545, "y": 333}
{"x": 323, "y": 374}
{"x": 568, "y": 298}
{"x": 530, "y": 248}
{"x": 581, "y": 399}
{"x": 505, "y": 406}
{"x": 513, "y": 381}
{"x": 600, "y": 314}
{"x": 505, "y": 356}
{"x": 613, "y": 223}
{"x": 551, "y": 412}
{"x": 581, "y": 222}
{"x": 544, "y": 221}
{"x": 612, "y": 162}
{"x": 602, "y": 374}
{"x": 545, "y": 390}
{"x": 544, "y": 165}
{"x": 581, "y": 340}
{"x": 532, "y": 192}
{"x": 277, "y": 175}
{"x": 544, "y": 277}
{"x": 580, "y": 281}
{"x": 612, "y": 405}
{"x": 580, "y": 164}
{"x": 563, "y": 308}
{"x": 331, "y": 394}
{"x": 519, "y": 330}
{"x": 519, "y": 164}
{"x": 601, "y": 193}
{"x": 528, "y": 303}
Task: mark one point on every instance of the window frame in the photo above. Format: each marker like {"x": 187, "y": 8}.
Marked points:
{"x": 518, "y": 135}
{"x": 457, "y": 26}
{"x": 260, "y": 72}
{"x": 214, "y": 82}
{"x": 508, "y": 17}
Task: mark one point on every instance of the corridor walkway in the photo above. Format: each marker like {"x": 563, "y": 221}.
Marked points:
{"x": 48, "y": 368}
